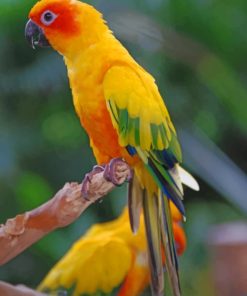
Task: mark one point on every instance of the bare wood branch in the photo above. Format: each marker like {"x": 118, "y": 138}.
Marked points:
{"x": 65, "y": 207}
{"x": 19, "y": 290}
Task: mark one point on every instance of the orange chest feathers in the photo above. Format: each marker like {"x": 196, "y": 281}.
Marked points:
{"x": 90, "y": 105}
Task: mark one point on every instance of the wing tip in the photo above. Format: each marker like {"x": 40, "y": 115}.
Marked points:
{"x": 188, "y": 180}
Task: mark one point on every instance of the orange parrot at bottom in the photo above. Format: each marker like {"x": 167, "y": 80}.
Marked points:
{"x": 120, "y": 107}
{"x": 108, "y": 260}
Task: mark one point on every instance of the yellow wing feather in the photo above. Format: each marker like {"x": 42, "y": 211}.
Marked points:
{"x": 134, "y": 92}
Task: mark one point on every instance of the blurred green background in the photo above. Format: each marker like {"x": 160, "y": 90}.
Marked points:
{"x": 197, "y": 50}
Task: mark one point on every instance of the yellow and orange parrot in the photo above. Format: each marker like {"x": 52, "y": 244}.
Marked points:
{"x": 120, "y": 107}
{"x": 108, "y": 260}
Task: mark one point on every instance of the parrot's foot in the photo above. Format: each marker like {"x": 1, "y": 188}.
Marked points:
{"x": 113, "y": 171}
{"x": 88, "y": 179}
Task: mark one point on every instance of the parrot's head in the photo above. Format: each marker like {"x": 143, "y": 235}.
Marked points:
{"x": 66, "y": 25}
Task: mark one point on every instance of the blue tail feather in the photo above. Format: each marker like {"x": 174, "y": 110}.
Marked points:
{"x": 170, "y": 191}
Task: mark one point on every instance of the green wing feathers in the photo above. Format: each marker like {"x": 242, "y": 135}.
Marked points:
{"x": 138, "y": 114}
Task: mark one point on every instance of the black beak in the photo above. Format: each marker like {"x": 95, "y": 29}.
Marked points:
{"x": 35, "y": 35}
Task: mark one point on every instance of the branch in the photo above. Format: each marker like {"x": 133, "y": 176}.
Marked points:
{"x": 19, "y": 290}
{"x": 65, "y": 207}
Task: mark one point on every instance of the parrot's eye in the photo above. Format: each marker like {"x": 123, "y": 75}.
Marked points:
{"x": 48, "y": 17}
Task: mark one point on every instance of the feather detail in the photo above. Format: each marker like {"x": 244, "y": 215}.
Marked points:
{"x": 166, "y": 184}
{"x": 167, "y": 236}
{"x": 137, "y": 112}
{"x": 134, "y": 203}
{"x": 153, "y": 234}
{"x": 163, "y": 179}
{"x": 174, "y": 172}
{"x": 187, "y": 179}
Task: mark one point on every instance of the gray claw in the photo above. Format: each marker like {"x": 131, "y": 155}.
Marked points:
{"x": 88, "y": 179}
{"x": 110, "y": 171}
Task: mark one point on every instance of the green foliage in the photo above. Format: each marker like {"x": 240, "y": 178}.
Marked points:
{"x": 62, "y": 129}
{"x": 32, "y": 190}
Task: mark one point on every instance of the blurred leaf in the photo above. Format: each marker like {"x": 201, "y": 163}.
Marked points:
{"x": 32, "y": 190}
{"x": 62, "y": 129}
{"x": 225, "y": 84}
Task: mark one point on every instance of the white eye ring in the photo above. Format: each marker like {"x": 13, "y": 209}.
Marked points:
{"x": 48, "y": 17}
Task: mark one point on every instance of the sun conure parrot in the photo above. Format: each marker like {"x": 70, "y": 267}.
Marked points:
{"x": 108, "y": 260}
{"x": 120, "y": 107}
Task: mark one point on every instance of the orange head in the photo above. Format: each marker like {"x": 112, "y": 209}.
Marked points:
{"x": 64, "y": 24}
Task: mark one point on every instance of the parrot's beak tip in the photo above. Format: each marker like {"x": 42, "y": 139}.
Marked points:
{"x": 35, "y": 35}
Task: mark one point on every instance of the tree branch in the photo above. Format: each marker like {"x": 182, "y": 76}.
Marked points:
{"x": 19, "y": 290}
{"x": 65, "y": 207}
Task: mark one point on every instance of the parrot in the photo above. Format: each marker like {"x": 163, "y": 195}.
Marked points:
{"x": 108, "y": 260}
{"x": 120, "y": 107}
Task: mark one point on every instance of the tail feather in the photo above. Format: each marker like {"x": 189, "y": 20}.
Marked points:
{"x": 157, "y": 217}
{"x": 174, "y": 172}
{"x": 153, "y": 234}
{"x": 162, "y": 178}
{"x": 134, "y": 203}
{"x": 158, "y": 173}
{"x": 187, "y": 179}
{"x": 169, "y": 244}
